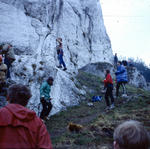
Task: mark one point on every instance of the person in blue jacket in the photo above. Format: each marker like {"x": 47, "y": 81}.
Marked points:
{"x": 121, "y": 78}
{"x": 45, "y": 97}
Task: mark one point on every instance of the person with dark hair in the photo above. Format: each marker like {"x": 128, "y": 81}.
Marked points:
{"x": 121, "y": 77}
{"x": 45, "y": 98}
{"x": 19, "y": 126}
{"x": 131, "y": 135}
{"x": 60, "y": 54}
{"x": 108, "y": 83}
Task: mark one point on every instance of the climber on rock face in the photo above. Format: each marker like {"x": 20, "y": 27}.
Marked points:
{"x": 8, "y": 51}
{"x": 45, "y": 98}
{"x": 60, "y": 54}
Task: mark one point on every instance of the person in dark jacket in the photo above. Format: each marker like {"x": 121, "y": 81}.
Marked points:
{"x": 45, "y": 90}
{"x": 20, "y": 128}
{"x": 108, "y": 83}
{"x": 60, "y": 54}
{"x": 115, "y": 60}
{"x": 121, "y": 77}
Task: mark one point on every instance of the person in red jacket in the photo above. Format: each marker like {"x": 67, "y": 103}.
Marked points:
{"x": 20, "y": 128}
{"x": 108, "y": 83}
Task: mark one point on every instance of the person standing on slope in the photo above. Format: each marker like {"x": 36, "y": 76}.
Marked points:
{"x": 121, "y": 77}
{"x": 108, "y": 82}
{"x": 45, "y": 98}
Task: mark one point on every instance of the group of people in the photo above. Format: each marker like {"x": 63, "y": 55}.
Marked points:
{"x": 7, "y": 57}
{"x": 21, "y": 128}
{"x": 121, "y": 80}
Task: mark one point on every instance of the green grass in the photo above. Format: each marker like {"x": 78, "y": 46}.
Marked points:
{"x": 98, "y": 126}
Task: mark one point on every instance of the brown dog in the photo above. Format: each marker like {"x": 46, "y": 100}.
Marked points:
{"x": 74, "y": 127}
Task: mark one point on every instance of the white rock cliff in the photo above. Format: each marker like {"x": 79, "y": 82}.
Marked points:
{"x": 32, "y": 27}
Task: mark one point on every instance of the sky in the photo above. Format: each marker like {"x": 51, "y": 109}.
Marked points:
{"x": 128, "y": 26}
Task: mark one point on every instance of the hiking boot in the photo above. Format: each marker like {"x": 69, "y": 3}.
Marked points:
{"x": 64, "y": 69}
{"x": 112, "y": 106}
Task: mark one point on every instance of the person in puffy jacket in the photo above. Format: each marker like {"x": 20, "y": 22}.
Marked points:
{"x": 20, "y": 128}
{"x": 108, "y": 83}
{"x": 121, "y": 78}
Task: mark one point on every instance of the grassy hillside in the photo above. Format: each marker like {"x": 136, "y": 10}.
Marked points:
{"x": 98, "y": 125}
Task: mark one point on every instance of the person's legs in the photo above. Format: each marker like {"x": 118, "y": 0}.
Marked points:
{"x": 7, "y": 62}
{"x": 62, "y": 61}
{"x": 44, "y": 110}
{"x": 111, "y": 95}
{"x": 106, "y": 97}
{"x": 49, "y": 107}
{"x": 124, "y": 88}
{"x": 117, "y": 88}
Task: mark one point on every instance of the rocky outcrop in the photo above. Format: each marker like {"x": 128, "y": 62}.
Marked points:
{"x": 99, "y": 69}
{"x": 32, "y": 27}
{"x": 134, "y": 76}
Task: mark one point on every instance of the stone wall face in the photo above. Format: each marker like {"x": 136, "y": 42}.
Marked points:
{"x": 32, "y": 27}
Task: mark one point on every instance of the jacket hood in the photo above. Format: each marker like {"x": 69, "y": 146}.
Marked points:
{"x": 20, "y": 112}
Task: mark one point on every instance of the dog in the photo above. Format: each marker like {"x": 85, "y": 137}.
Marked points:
{"x": 74, "y": 127}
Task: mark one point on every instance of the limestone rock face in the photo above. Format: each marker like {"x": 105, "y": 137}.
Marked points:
{"x": 32, "y": 27}
{"x": 135, "y": 78}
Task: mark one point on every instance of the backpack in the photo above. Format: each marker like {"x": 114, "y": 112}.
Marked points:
{"x": 96, "y": 98}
